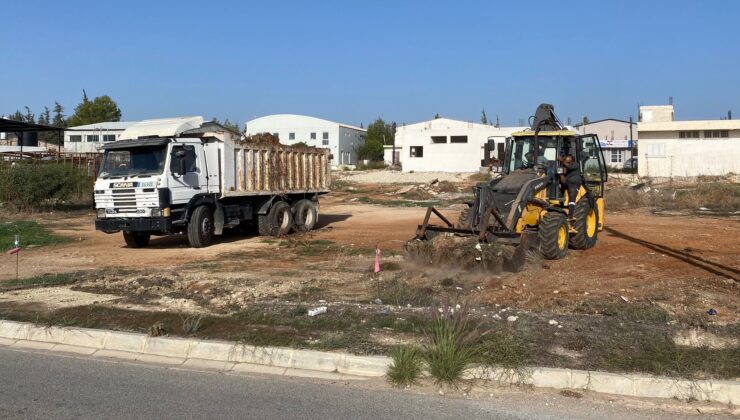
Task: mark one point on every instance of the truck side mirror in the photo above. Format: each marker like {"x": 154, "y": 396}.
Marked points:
{"x": 181, "y": 165}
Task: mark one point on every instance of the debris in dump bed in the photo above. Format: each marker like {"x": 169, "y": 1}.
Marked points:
{"x": 263, "y": 139}
{"x": 461, "y": 251}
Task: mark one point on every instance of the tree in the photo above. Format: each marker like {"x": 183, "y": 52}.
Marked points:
{"x": 29, "y": 117}
{"x": 17, "y": 116}
{"x": 45, "y": 116}
{"x": 233, "y": 126}
{"x": 100, "y": 109}
{"x": 483, "y": 117}
{"x": 436, "y": 116}
{"x": 378, "y": 134}
{"x": 58, "y": 120}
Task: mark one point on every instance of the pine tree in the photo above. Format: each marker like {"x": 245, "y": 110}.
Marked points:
{"x": 58, "y": 120}
{"x": 483, "y": 117}
{"x": 29, "y": 117}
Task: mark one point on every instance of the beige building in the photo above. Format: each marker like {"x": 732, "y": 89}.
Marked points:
{"x": 618, "y": 139}
{"x": 670, "y": 148}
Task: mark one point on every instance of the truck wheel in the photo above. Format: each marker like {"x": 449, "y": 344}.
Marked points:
{"x": 277, "y": 222}
{"x": 136, "y": 239}
{"x": 586, "y": 223}
{"x": 305, "y": 215}
{"x": 200, "y": 228}
{"x": 553, "y": 236}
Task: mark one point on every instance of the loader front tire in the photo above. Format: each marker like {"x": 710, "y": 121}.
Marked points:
{"x": 136, "y": 239}
{"x": 553, "y": 236}
{"x": 586, "y": 221}
{"x": 200, "y": 228}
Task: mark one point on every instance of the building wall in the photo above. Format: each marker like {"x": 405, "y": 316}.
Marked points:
{"x": 341, "y": 140}
{"x": 447, "y": 156}
{"x": 88, "y": 143}
{"x": 610, "y": 130}
{"x": 663, "y": 154}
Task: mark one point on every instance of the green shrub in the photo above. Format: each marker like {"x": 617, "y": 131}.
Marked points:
{"x": 452, "y": 344}
{"x": 407, "y": 366}
{"x": 29, "y": 185}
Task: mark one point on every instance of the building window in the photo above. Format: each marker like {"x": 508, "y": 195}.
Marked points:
{"x": 716, "y": 134}
{"x": 75, "y": 138}
{"x": 416, "y": 151}
{"x": 439, "y": 139}
{"x": 92, "y": 139}
{"x": 325, "y": 142}
{"x": 656, "y": 150}
{"x": 458, "y": 139}
{"x": 313, "y": 136}
{"x": 690, "y": 134}
{"x": 109, "y": 137}
{"x": 325, "y": 135}
{"x": 291, "y": 136}
{"x": 276, "y": 135}
{"x": 616, "y": 156}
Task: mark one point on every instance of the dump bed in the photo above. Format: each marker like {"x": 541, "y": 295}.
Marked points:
{"x": 266, "y": 169}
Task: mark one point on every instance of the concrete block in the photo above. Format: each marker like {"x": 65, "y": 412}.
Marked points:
{"x": 33, "y": 345}
{"x": 551, "y": 378}
{"x": 302, "y": 373}
{"x": 45, "y": 334}
{"x": 656, "y": 387}
{"x": 212, "y": 350}
{"x": 262, "y": 369}
{"x": 116, "y": 354}
{"x": 122, "y": 341}
{"x": 315, "y": 360}
{"x": 727, "y": 392}
{"x": 170, "y": 347}
{"x": 84, "y": 337}
{"x": 14, "y": 330}
{"x": 364, "y": 365}
{"x": 66, "y": 348}
{"x": 610, "y": 383}
{"x": 202, "y": 364}
{"x": 160, "y": 360}
{"x": 7, "y": 341}
{"x": 272, "y": 356}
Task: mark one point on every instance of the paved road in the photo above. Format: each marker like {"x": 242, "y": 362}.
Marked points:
{"x": 49, "y": 385}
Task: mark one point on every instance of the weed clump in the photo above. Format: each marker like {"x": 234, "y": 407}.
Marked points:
{"x": 407, "y": 366}
{"x": 191, "y": 323}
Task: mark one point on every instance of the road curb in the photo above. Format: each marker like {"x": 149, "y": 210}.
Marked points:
{"x": 233, "y": 357}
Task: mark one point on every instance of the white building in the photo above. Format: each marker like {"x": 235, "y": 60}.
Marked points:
{"x": 670, "y": 148}
{"x": 618, "y": 138}
{"x": 446, "y": 145}
{"x": 91, "y": 137}
{"x": 343, "y": 140}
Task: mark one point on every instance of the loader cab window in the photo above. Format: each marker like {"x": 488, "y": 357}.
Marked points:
{"x": 185, "y": 152}
{"x": 592, "y": 163}
{"x": 523, "y": 153}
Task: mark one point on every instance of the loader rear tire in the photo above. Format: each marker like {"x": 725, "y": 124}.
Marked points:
{"x": 586, "y": 223}
{"x": 305, "y": 215}
{"x": 136, "y": 239}
{"x": 200, "y": 228}
{"x": 277, "y": 222}
{"x": 553, "y": 236}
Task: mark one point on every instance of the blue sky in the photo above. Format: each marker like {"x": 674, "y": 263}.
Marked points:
{"x": 352, "y": 61}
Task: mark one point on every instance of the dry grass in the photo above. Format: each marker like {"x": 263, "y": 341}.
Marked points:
{"x": 717, "y": 196}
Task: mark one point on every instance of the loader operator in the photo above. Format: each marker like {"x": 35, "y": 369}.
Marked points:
{"x": 571, "y": 181}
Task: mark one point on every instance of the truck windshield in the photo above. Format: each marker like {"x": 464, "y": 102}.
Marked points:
{"x": 135, "y": 161}
{"x": 523, "y": 153}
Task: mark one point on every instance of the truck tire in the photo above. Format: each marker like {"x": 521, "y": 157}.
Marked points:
{"x": 200, "y": 228}
{"x": 277, "y": 222}
{"x": 305, "y": 215}
{"x": 136, "y": 239}
{"x": 553, "y": 236}
{"x": 586, "y": 224}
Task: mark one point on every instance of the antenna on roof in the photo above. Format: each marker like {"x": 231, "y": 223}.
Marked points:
{"x": 729, "y": 114}
{"x": 670, "y": 100}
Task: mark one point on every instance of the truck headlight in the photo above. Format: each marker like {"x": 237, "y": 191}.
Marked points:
{"x": 101, "y": 212}
{"x": 156, "y": 212}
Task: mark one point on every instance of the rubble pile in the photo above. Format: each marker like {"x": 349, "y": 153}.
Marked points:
{"x": 460, "y": 251}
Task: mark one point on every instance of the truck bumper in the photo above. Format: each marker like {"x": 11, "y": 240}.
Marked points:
{"x": 152, "y": 224}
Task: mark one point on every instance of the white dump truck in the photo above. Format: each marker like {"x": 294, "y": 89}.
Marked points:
{"x": 184, "y": 175}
